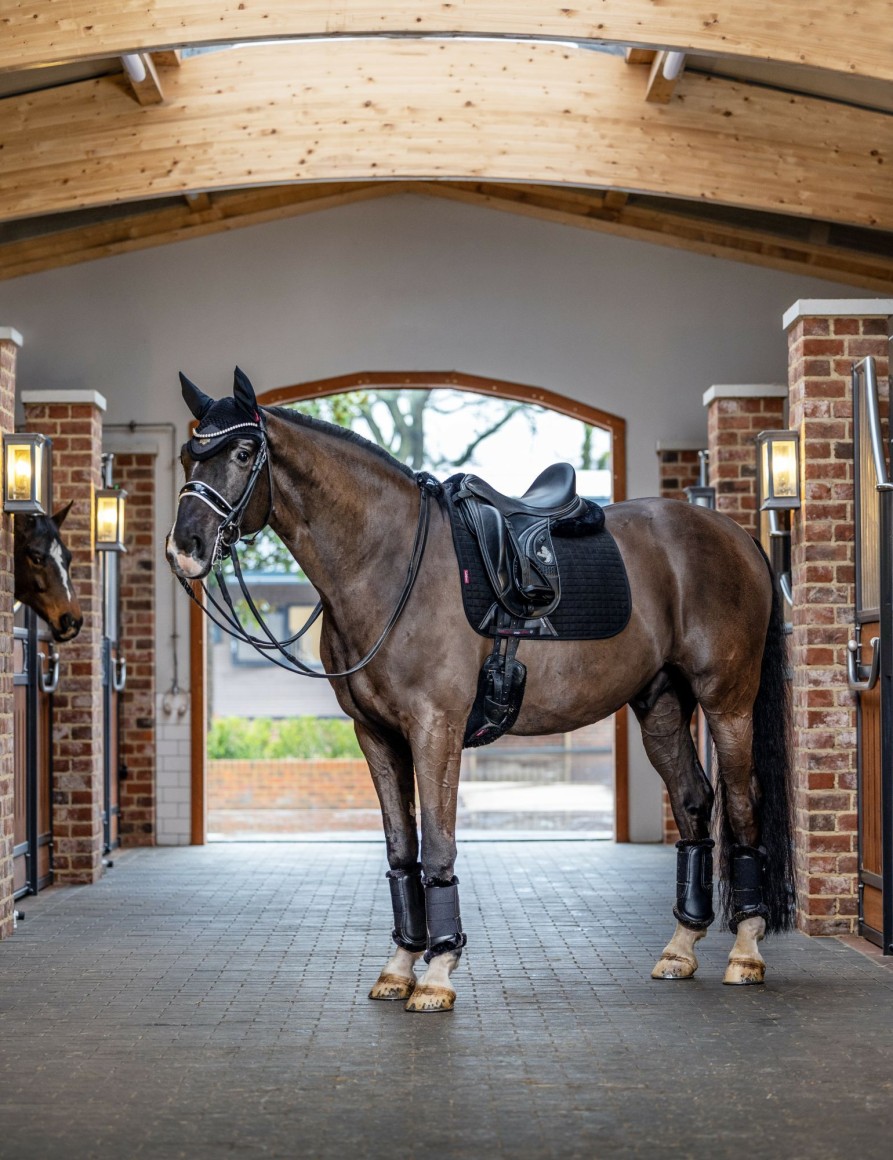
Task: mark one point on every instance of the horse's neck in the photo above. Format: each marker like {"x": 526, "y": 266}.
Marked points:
{"x": 340, "y": 510}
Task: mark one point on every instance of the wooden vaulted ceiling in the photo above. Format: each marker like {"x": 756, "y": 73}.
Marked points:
{"x": 773, "y": 145}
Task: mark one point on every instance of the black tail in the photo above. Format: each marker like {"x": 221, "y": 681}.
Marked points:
{"x": 772, "y": 763}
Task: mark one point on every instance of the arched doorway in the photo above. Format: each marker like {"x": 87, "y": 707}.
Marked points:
{"x": 421, "y": 381}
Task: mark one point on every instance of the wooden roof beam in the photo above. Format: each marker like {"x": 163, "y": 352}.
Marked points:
{"x": 826, "y": 34}
{"x": 407, "y": 109}
{"x": 678, "y": 231}
{"x": 609, "y": 213}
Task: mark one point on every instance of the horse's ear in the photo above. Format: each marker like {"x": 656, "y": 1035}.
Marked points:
{"x": 59, "y": 516}
{"x": 243, "y": 392}
{"x": 197, "y": 401}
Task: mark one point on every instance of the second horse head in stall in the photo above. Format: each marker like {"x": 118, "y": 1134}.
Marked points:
{"x": 42, "y": 573}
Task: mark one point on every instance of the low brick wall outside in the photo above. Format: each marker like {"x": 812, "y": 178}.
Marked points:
{"x": 290, "y": 784}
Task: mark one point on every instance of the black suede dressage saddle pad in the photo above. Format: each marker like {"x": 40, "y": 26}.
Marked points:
{"x": 595, "y": 598}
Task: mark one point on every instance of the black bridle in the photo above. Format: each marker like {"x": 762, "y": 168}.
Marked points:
{"x": 229, "y": 533}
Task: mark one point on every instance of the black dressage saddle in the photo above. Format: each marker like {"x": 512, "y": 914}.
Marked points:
{"x": 515, "y": 536}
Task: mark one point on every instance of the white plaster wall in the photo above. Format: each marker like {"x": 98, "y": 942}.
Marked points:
{"x": 416, "y": 284}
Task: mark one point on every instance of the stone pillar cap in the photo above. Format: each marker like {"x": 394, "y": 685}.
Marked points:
{"x": 745, "y": 391}
{"x": 837, "y": 308}
{"x": 63, "y": 396}
{"x": 8, "y": 334}
{"x": 680, "y": 445}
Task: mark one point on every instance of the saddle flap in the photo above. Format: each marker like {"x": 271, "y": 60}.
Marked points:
{"x": 488, "y": 528}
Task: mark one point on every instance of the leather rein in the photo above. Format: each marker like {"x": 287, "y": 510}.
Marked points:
{"x": 229, "y": 533}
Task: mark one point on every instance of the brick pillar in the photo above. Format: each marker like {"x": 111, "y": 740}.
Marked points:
{"x": 736, "y": 414}
{"x": 73, "y": 420}
{"x": 824, "y": 340}
{"x": 679, "y": 468}
{"x": 10, "y": 341}
{"x": 135, "y": 473}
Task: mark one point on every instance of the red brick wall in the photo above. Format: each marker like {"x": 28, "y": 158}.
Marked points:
{"x": 732, "y": 427}
{"x": 76, "y": 431}
{"x": 822, "y": 351}
{"x": 135, "y": 473}
{"x": 678, "y": 470}
{"x": 7, "y": 423}
{"x": 288, "y": 783}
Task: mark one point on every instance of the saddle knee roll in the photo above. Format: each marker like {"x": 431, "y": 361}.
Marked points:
{"x": 694, "y": 883}
{"x": 746, "y": 867}
{"x": 443, "y": 918}
{"x": 408, "y": 902}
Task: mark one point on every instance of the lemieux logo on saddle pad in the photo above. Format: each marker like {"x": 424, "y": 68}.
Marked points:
{"x": 595, "y": 599}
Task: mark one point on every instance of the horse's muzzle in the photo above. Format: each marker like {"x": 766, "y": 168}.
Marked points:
{"x": 185, "y": 564}
{"x": 68, "y": 628}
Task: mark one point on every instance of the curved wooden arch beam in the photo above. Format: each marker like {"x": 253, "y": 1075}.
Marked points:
{"x": 498, "y": 111}
{"x": 854, "y": 38}
{"x": 474, "y": 384}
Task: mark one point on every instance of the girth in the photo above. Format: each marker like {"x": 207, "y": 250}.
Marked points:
{"x": 515, "y": 536}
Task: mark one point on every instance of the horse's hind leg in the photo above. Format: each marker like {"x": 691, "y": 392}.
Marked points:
{"x": 733, "y": 737}
{"x": 390, "y": 763}
{"x": 664, "y": 711}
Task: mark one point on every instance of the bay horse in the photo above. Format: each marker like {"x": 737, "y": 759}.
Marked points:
{"x": 705, "y": 629}
{"x": 42, "y": 572}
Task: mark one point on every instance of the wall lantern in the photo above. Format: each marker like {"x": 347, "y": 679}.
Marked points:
{"x": 26, "y": 457}
{"x": 110, "y": 519}
{"x": 779, "y": 467}
{"x": 700, "y": 494}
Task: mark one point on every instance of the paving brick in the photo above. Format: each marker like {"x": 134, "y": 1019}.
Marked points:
{"x": 209, "y": 1002}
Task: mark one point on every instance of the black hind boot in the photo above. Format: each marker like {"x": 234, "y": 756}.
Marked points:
{"x": 746, "y": 866}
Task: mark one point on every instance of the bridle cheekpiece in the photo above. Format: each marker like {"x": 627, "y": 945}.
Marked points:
{"x": 229, "y": 531}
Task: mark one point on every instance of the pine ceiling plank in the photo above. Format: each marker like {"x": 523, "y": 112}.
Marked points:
{"x": 400, "y": 109}
{"x": 856, "y": 37}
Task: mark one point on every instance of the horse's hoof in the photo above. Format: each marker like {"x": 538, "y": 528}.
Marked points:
{"x": 745, "y": 972}
{"x": 431, "y": 999}
{"x": 392, "y": 987}
{"x": 675, "y": 967}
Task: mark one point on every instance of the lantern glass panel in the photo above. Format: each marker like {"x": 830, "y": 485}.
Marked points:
{"x": 25, "y": 480}
{"x": 784, "y": 469}
{"x": 107, "y": 519}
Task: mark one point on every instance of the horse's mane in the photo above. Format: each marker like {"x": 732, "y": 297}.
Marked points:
{"x": 302, "y": 420}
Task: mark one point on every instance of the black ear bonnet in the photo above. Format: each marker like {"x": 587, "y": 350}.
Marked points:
{"x": 221, "y": 421}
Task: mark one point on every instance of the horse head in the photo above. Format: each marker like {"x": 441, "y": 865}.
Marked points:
{"x": 224, "y": 495}
{"x": 42, "y": 577}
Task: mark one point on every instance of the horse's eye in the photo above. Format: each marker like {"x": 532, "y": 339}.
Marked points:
{"x": 37, "y": 558}
{"x": 242, "y": 455}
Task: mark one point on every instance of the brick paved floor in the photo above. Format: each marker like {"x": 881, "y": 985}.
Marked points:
{"x": 210, "y": 1002}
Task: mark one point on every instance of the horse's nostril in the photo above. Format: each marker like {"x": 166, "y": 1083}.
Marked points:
{"x": 66, "y": 621}
{"x": 197, "y": 546}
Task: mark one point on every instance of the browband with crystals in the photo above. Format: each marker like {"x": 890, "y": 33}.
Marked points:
{"x": 199, "y": 434}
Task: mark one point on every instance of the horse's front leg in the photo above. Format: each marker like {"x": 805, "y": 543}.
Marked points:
{"x": 437, "y": 750}
{"x": 390, "y": 763}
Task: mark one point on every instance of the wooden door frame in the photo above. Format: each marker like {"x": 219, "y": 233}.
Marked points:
{"x": 456, "y": 380}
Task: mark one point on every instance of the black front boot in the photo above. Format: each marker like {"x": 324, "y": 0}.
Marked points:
{"x": 408, "y": 901}
{"x": 444, "y": 921}
{"x": 694, "y": 883}
{"x": 746, "y": 880}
